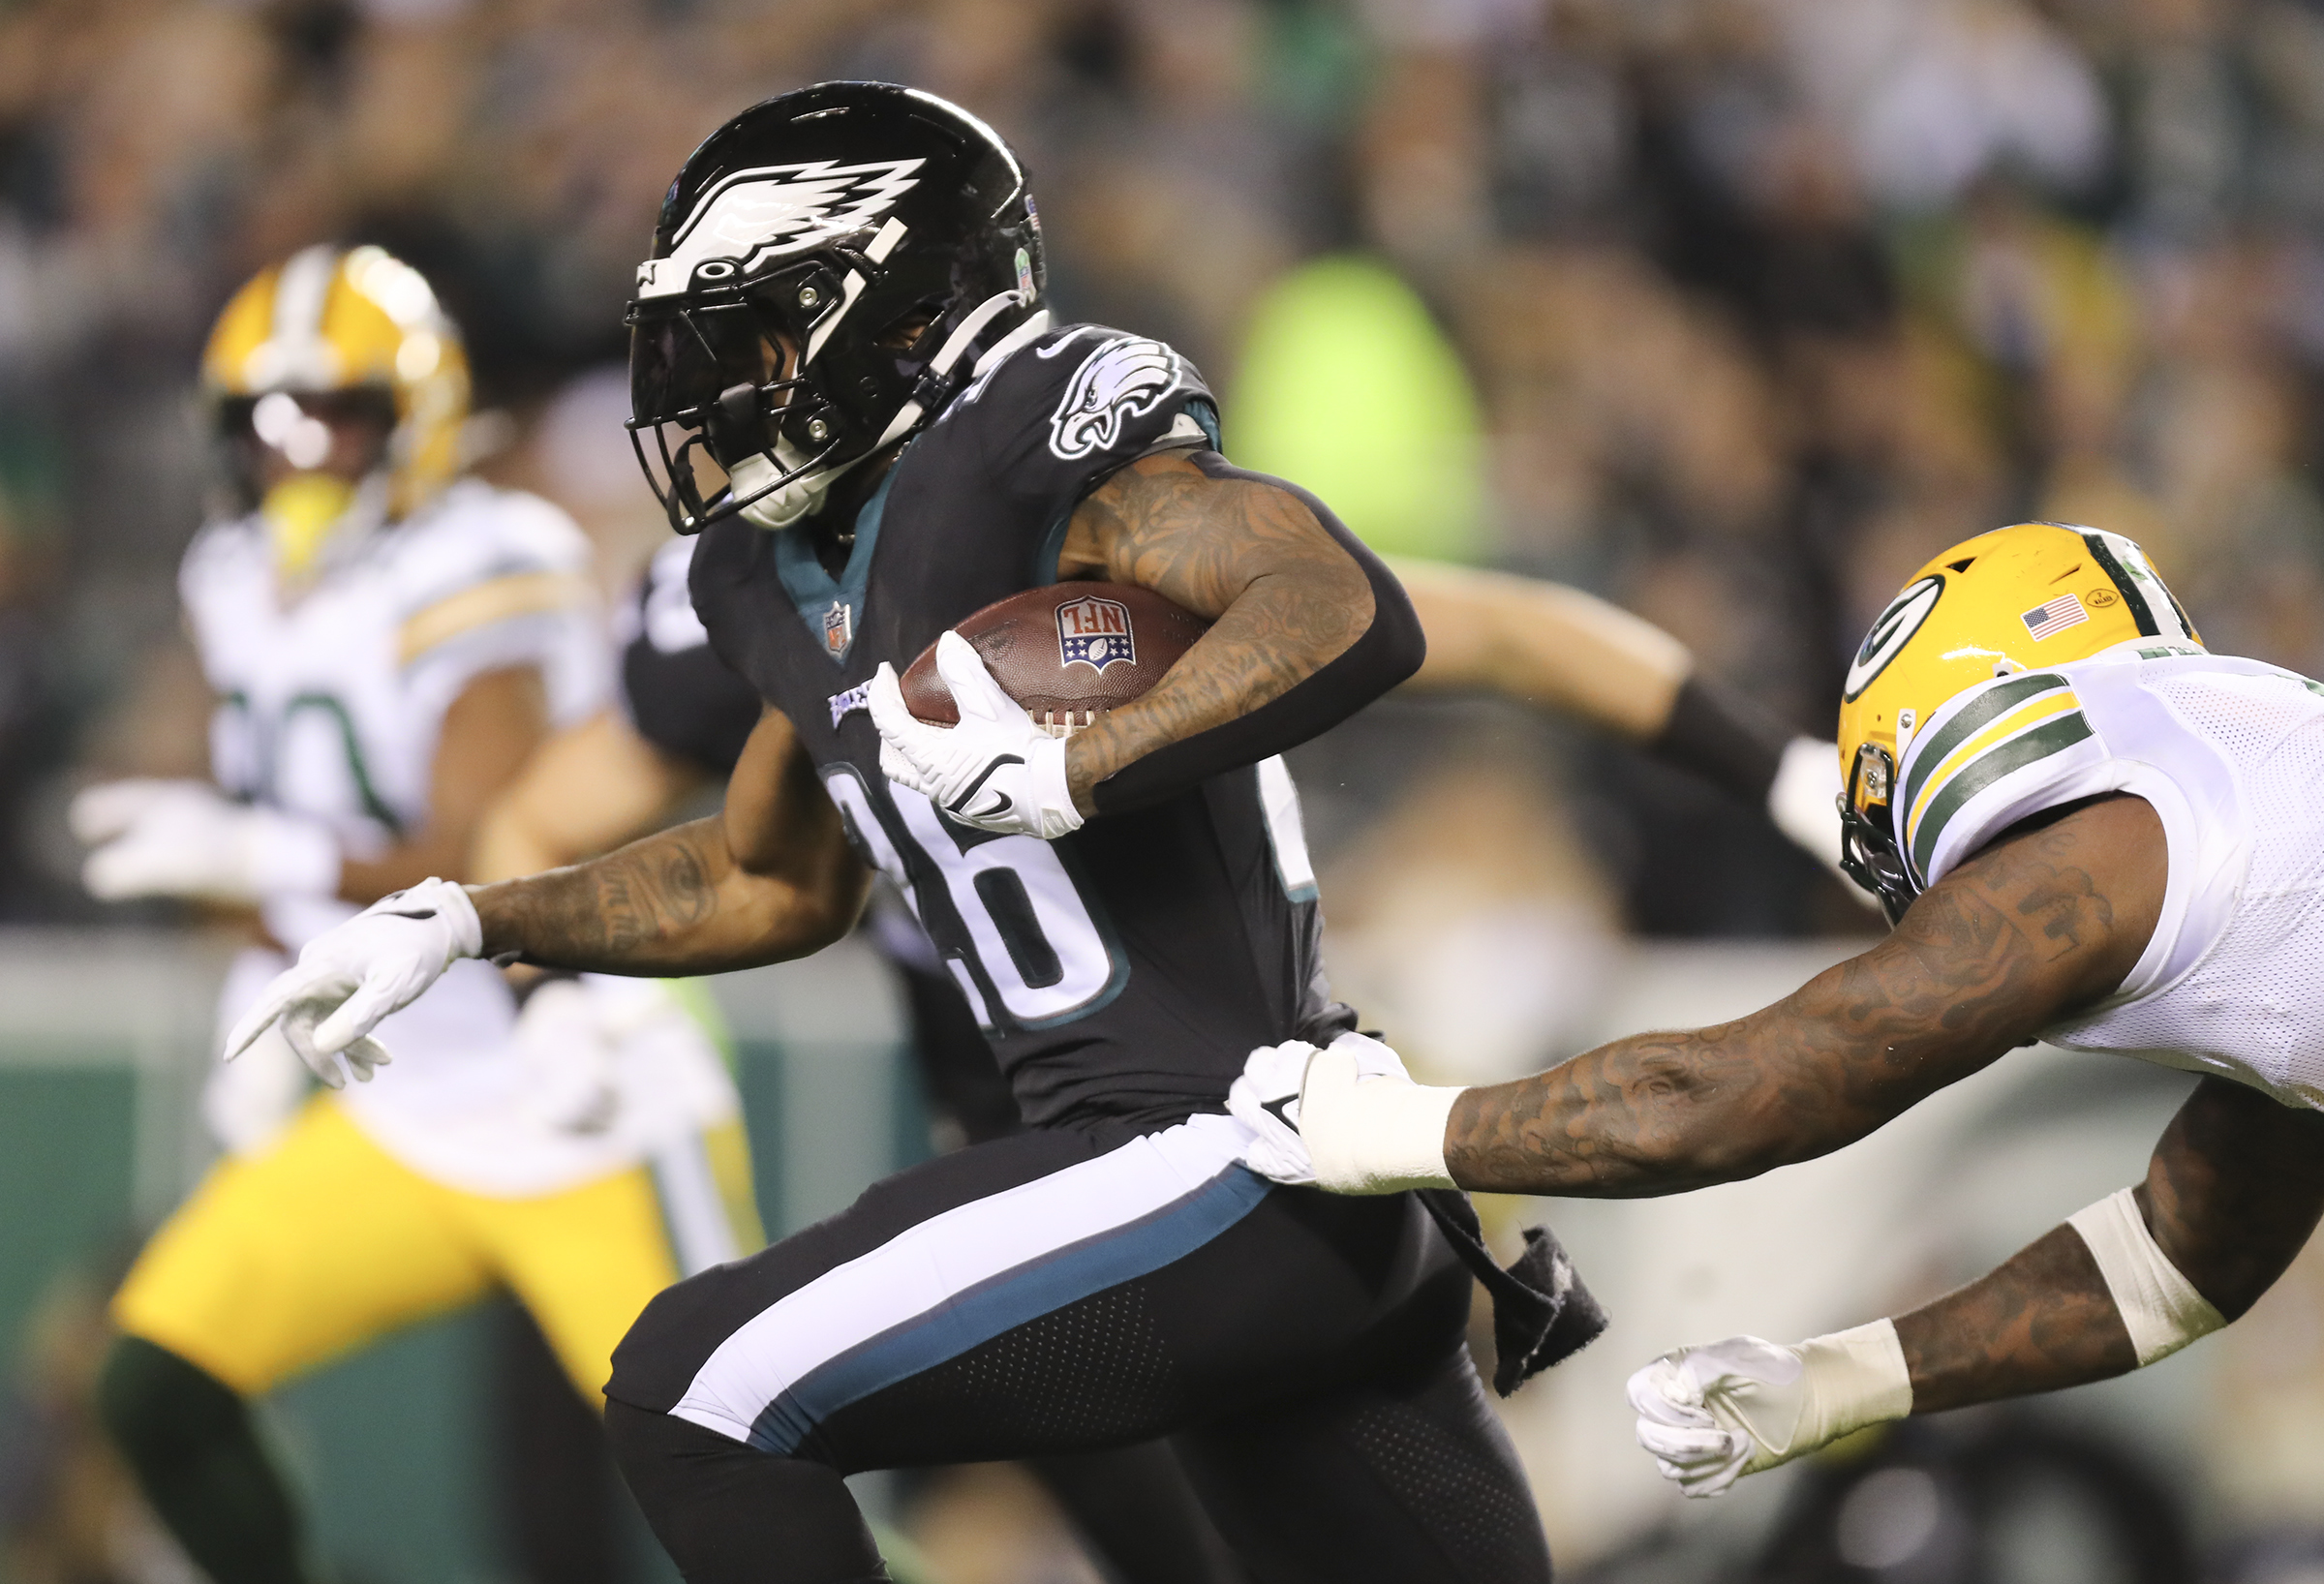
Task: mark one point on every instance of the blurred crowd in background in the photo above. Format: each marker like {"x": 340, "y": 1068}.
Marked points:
{"x": 1733, "y": 310}
{"x": 1730, "y": 310}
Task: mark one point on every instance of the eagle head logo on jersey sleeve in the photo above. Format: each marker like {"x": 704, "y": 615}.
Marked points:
{"x": 1126, "y": 378}
{"x": 1095, "y": 632}
{"x": 754, "y": 216}
{"x": 2001, "y": 604}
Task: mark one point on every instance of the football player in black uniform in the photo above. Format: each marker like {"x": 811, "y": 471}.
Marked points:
{"x": 843, "y": 314}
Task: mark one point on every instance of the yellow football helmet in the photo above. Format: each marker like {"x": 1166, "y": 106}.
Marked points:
{"x": 2032, "y": 595}
{"x": 318, "y": 337}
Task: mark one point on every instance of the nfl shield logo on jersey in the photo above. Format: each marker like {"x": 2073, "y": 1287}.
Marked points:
{"x": 838, "y": 628}
{"x": 1095, "y": 632}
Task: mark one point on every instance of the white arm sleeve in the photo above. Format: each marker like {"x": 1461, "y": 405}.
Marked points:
{"x": 2160, "y": 1308}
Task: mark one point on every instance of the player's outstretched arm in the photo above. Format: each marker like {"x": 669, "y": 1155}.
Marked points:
{"x": 1306, "y": 625}
{"x": 769, "y": 876}
{"x": 2037, "y": 925}
{"x": 2232, "y": 1194}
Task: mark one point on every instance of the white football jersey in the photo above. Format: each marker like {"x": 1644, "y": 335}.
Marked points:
{"x": 2230, "y": 755}
{"x": 331, "y": 707}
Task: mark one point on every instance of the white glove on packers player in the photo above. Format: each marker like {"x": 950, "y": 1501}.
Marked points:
{"x": 1711, "y": 1415}
{"x": 354, "y": 974}
{"x": 568, "y": 1037}
{"x": 997, "y": 769}
{"x": 1347, "y": 1117}
{"x": 185, "y": 838}
{"x": 1804, "y": 802}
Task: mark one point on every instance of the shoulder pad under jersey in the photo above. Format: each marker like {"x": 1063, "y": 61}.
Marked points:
{"x": 1065, "y": 410}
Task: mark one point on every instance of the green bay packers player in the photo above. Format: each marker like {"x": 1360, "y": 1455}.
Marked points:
{"x": 2086, "y": 829}
{"x": 387, "y": 642}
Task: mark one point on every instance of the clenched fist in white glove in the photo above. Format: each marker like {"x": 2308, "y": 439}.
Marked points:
{"x": 185, "y": 838}
{"x": 997, "y": 769}
{"x": 354, "y": 974}
{"x": 1711, "y": 1415}
{"x": 1347, "y": 1117}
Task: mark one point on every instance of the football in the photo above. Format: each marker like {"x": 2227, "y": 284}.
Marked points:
{"x": 1068, "y": 653}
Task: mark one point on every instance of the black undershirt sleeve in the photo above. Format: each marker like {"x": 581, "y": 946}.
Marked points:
{"x": 1726, "y": 738}
{"x": 1388, "y": 652}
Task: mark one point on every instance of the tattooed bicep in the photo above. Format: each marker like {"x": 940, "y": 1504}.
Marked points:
{"x": 1203, "y": 539}
{"x": 2075, "y": 901}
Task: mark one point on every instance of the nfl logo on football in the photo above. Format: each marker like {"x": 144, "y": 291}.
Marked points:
{"x": 1095, "y": 632}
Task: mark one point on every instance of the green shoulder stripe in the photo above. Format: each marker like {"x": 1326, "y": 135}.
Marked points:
{"x": 1973, "y": 718}
{"x": 1999, "y": 760}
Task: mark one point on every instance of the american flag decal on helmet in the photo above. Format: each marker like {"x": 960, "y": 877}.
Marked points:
{"x": 2065, "y": 611}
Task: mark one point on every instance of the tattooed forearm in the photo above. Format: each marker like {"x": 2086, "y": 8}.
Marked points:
{"x": 1285, "y": 599}
{"x": 2006, "y": 944}
{"x": 633, "y": 909}
{"x": 2042, "y": 1321}
{"x": 2233, "y": 1192}
{"x": 769, "y": 876}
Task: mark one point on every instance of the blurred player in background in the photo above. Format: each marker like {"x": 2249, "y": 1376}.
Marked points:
{"x": 388, "y": 642}
{"x": 2086, "y": 829}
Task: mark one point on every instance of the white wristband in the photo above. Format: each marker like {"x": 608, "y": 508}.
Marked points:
{"x": 2160, "y": 1308}
{"x": 1373, "y": 1135}
{"x": 1855, "y": 1377}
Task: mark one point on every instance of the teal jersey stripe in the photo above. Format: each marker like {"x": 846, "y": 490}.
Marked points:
{"x": 1972, "y": 719}
{"x": 2001, "y": 759}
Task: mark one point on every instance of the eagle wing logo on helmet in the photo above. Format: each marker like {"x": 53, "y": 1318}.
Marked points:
{"x": 1127, "y": 378}
{"x": 757, "y": 214}
{"x": 1890, "y": 634}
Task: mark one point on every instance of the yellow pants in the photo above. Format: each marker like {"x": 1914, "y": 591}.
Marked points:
{"x": 285, "y": 1260}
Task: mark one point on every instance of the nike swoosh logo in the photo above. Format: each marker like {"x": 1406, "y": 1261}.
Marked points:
{"x": 411, "y": 913}
{"x": 1052, "y": 351}
{"x": 1280, "y": 1109}
{"x": 1000, "y": 805}
{"x": 974, "y": 787}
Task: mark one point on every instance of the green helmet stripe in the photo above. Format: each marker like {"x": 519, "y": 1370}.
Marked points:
{"x": 2001, "y": 759}
{"x": 1973, "y": 718}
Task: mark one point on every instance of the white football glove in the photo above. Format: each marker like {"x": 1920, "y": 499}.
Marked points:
{"x": 1347, "y": 1117}
{"x": 1804, "y": 802}
{"x": 567, "y": 1040}
{"x": 186, "y": 838}
{"x": 995, "y": 769}
{"x": 1711, "y": 1415}
{"x": 354, "y": 974}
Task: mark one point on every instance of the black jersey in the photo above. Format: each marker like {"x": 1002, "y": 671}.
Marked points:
{"x": 678, "y": 695}
{"x": 1125, "y": 970}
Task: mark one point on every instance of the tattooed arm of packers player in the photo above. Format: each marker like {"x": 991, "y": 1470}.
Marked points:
{"x": 769, "y": 876}
{"x": 2231, "y": 1196}
{"x": 2043, "y": 921}
{"x": 1307, "y": 627}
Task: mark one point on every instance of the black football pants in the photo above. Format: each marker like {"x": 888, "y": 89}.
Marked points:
{"x": 1064, "y": 1290}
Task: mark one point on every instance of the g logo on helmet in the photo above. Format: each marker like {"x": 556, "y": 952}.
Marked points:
{"x": 1890, "y": 634}
{"x": 1127, "y": 378}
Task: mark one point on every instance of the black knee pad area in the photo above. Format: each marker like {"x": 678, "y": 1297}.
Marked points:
{"x": 159, "y": 1406}
{"x": 730, "y": 1514}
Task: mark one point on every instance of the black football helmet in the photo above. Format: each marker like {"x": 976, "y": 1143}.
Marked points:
{"x": 829, "y": 268}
